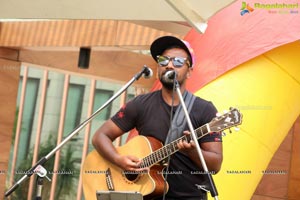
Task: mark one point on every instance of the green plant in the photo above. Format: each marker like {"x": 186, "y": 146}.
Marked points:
{"x": 67, "y": 173}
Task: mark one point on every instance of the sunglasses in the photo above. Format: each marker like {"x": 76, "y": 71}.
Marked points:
{"x": 177, "y": 61}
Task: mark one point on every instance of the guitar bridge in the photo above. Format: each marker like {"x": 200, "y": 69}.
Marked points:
{"x": 108, "y": 179}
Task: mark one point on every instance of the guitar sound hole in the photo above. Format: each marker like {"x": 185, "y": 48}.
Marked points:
{"x": 131, "y": 175}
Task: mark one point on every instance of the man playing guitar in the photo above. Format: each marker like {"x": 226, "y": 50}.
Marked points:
{"x": 150, "y": 115}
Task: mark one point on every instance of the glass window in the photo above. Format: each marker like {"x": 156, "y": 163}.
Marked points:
{"x": 74, "y": 107}
{"x": 101, "y": 97}
{"x": 31, "y": 95}
{"x": 129, "y": 97}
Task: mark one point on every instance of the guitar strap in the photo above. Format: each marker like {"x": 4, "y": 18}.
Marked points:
{"x": 179, "y": 120}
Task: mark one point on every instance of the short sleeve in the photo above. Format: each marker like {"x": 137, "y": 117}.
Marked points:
{"x": 126, "y": 117}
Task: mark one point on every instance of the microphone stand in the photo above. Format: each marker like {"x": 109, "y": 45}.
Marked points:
{"x": 146, "y": 71}
{"x": 212, "y": 187}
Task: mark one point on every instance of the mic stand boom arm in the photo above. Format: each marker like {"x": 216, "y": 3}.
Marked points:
{"x": 212, "y": 188}
{"x": 44, "y": 159}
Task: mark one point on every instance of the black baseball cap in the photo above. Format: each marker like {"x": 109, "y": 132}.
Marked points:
{"x": 162, "y": 43}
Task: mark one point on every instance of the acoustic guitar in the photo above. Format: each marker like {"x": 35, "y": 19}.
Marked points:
{"x": 98, "y": 174}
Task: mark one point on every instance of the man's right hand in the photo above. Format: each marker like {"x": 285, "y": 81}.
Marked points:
{"x": 129, "y": 163}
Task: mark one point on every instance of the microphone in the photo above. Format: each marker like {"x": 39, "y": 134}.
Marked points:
{"x": 147, "y": 73}
{"x": 169, "y": 76}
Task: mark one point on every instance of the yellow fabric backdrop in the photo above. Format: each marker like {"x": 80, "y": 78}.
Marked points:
{"x": 266, "y": 89}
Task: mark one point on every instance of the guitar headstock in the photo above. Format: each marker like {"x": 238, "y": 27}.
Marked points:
{"x": 227, "y": 120}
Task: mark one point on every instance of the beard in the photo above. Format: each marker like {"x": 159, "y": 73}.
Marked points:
{"x": 169, "y": 83}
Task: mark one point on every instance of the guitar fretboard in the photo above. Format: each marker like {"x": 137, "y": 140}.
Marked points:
{"x": 171, "y": 148}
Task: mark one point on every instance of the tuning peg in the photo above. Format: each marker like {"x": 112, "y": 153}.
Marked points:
{"x": 236, "y": 128}
{"x": 223, "y": 133}
{"x": 230, "y": 130}
{"x": 218, "y": 114}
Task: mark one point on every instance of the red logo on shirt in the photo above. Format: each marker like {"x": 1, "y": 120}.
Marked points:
{"x": 121, "y": 112}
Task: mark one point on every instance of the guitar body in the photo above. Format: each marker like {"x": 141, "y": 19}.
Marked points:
{"x": 100, "y": 175}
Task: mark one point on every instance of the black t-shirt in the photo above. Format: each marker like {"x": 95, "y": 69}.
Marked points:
{"x": 150, "y": 115}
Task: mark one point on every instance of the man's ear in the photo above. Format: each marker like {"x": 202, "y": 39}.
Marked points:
{"x": 189, "y": 73}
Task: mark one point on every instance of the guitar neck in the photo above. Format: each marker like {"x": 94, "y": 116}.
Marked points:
{"x": 171, "y": 148}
